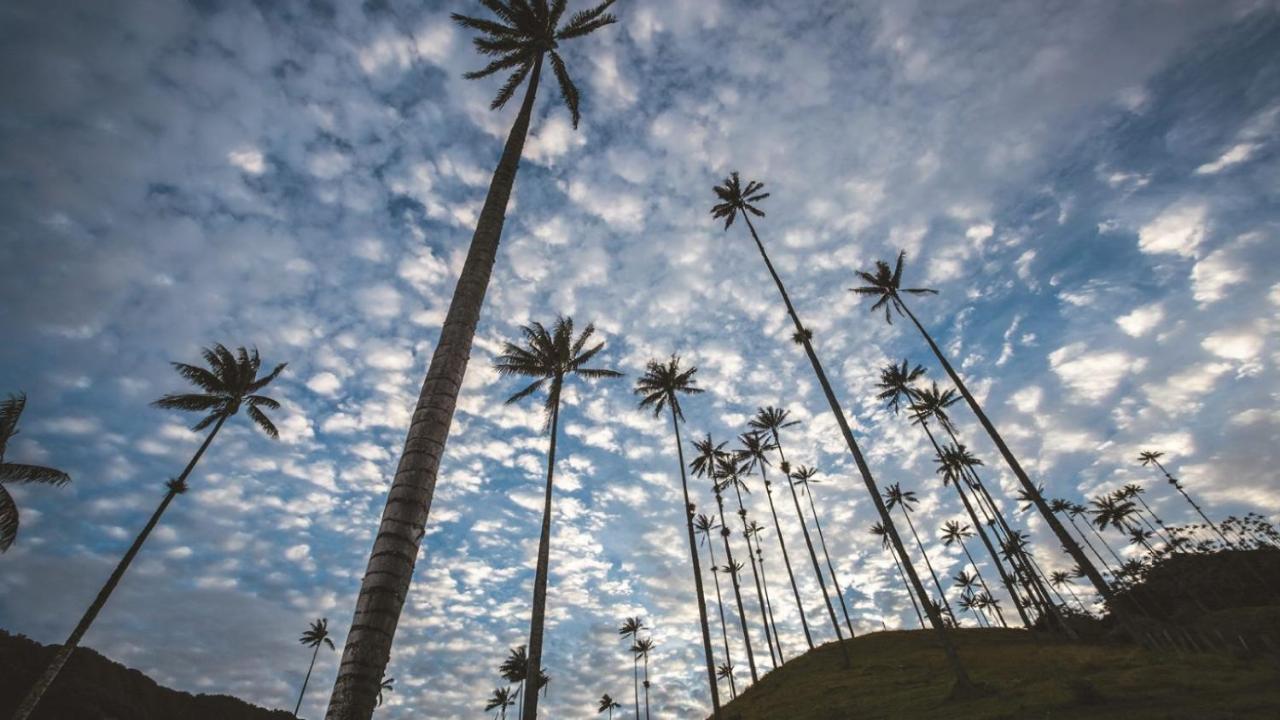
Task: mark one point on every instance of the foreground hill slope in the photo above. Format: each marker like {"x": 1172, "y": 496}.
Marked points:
{"x": 92, "y": 687}
{"x": 902, "y": 674}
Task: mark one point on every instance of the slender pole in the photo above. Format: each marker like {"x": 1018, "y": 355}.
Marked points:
{"x": 724, "y": 633}
{"x": 755, "y": 576}
{"x": 737, "y": 586}
{"x": 306, "y": 680}
{"x": 795, "y": 590}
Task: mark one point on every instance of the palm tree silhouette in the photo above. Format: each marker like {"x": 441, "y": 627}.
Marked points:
{"x": 710, "y": 462}
{"x": 500, "y": 700}
{"x": 886, "y": 285}
{"x": 705, "y": 525}
{"x": 756, "y": 530}
{"x": 878, "y": 530}
{"x": 753, "y": 455}
{"x": 736, "y": 199}
{"x": 1078, "y": 510}
{"x": 731, "y": 474}
{"x": 515, "y": 669}
{"x": 314, "y": 637}
{"x": 17, "y": 473}
{"x": 642, "y": 648}
{"x": 607, "y": 704}
{"x": 1152, "y": 458}
{"x": 630, "y": 630}
{"x": 804, "y": 477}
{"x": 1134, "y": 491}
{"x": 660, "y": 387}
{"x": 231, "y": 382}
{"x": 388, "y": 685}
{"x": 726, "y": 671}
{"x": 955, "y": 532}
{"x": 906, "y": 500}
{"x": 1066, "y": 508}
{"x": 1060, "y": 579}
{"x": 968, "y": 601}
{"x": 518, "y": 37}
{"x": 551, "y": 357}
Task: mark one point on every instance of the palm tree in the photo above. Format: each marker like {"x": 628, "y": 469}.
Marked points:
{"x": 630, "y": 630}
{"x": 607, "y": 704}
{"x": 726, "y": 671}
{"x": 1060, "y": 578}
{"x": 736, "y": 199}
{"x": 804, "y": 477}
{"x": 1066, "y": 508}
{"x": 17, "y": 473}
{"x": 1134, "y": 491}
{"x": 753, "y": 454}
{"x": 515, "y": 669}
{"x": 1152, "y": 458}
{"x": 906, "y": 500}
{"x": 521, "y": 34}
{"x": 388, "y": 685}
{"x": 878, "y": 530}
{"x": 731, "y": 476}
{"x": 550, "y": 357}
{"x": 955, "y": 532}
{"x": 708, "y": 462}
{"x": 705, "y": 525}
{"x": 314, "y": 637}
{"x": 229, "y": 383}
{"x": 886, "y": 285}
{"x": 1078, "y": 510}
{"x": 756, "y": 530}
{"x": 642, "y": 648}
{"x": 969, "y": 602}
{"x": 501, "y": 699}
{"x": 660, "y": 387}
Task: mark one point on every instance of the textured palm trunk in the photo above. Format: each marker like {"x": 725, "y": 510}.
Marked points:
{"x": 64, "y": 652}
{"x": 395, "y": 549}
{"x": 768, "y": 602}
{"x": 737, "y": 587}
{"x": 724, "y": 632}
{"x": 963, "y": 684}
{"x": 786, "y": 559}
{"x": 697, "y": 579}
{"x": 635, "y": 678}
{"x": 1162, "y": 533}
{"x": 306, "y": 680}
{"x": 936, "y": 582}
{"x": 538, "y": 618}
{"x": 910, "y": 593}
{"x": 646, "y": 686}
{"x": 817, "y": 570}
{"x": 755, "y": 575}
{"x": 982, "y": 581}
{"x": 1178, "y": 486}
{"x": 1089, "y": 544}
{"x": 1046, "y": 514}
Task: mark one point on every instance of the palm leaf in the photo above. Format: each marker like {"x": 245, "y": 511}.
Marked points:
{"x": 20, "y": 473}
{"x": 8, "y": 519}
{"x": 568, "y": 90}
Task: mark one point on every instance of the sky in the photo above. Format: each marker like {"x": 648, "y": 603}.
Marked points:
{"x": 1091, "y": 186}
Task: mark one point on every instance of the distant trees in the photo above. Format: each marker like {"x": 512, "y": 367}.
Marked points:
{"x": 314, "y": 637}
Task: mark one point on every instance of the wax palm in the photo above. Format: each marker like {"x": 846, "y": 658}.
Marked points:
{"x": 388, "y": 685}
{"x": 1151, "y": 458}
{"x": 229, "y": 383}
{"x": 878, "y": 530}
{"x": 897, "y": 384}
{"x": 17, "y": 473}
{"x": 753, "y": 451}
{"x": 515, "y": 669}
{"x": 733, "y": 200}
{"x": 630, "y": 630}
{"x": 607, "y": 704}
{"x": 660, "y": 387}
{"x": 1060, "y": 579}
{"x": 500, "y": 700}
{"x": 1134, "y": 491}
{"x": 518, "y": 36}
{"x": 314, "y": 637}
{"x": 550, "y": 357}
{"x": 885, "y": 285}
{"x": 954, "y": 532}
{"x": 804, "y": 476}
{"x": 725, "y": 671}
{"x": 706, "y": 525}
{"x": 732, "y": 475}
{"x": 642, "y": 648}
{"x": 906, "y": 500}
{"x": 970, "y": 602}
{"x": 1080, "y": 511}
{"x": 757, "y": 531}
{"x": 932, "y": 402}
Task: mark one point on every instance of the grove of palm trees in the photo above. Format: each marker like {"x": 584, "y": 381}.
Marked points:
{"x": 781, "y": 360}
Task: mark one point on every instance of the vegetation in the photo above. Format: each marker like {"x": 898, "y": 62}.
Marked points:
{"x": 314, "y": 637}
{"x": 17, "y": 473}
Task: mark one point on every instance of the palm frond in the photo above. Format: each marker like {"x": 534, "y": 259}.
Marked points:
{"x": 189, "y": 402}
{"x": 20, "y": 473}
{"x": 10, "y": 412}
{"x": 260, "y": 418}
{"x": 265, "y": 380}
{"x": 568, "y": 91}
{"x": 8, "y": 519}
{"x": 532, "y": 388}
{"x": 584, "y": 22}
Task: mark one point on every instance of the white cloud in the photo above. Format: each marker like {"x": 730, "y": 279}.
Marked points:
{"x": 1092, "y": 376}
{"x": 1235, "y": 155}
{"x": 1179, "y": 230}
{"x": 1141, "y": 320}
{"x": 1215, "y": 273}
{"x": 553, "y": 138}
{"x": 324, "y": 383}
{"x": 1238, "y": 344}
{"x": 248, "y": 159}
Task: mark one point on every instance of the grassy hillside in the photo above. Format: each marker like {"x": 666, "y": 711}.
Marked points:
{"x": 903, "y": 674}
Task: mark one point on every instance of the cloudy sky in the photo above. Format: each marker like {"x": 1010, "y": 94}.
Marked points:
{"x": 1092, "y": 187}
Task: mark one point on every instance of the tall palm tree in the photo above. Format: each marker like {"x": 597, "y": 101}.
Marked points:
{"x": 1061, "y": 578}
{"x": 886, "y": 285}
{"x": 734, "y": 200}
{"x": 660, "y": 387}
{"x": 519, "y": 36}
{"x": 642, "y": 648}
{"x": 906, "y": 500}
{"x": 515, "y": 669}
{"x": 1152, "y": 458}
{"x": 756, "y": 530}
{"x": 231, "y": 382}
{"x": 732, "y": 474}
{"x": 1078, "y": 510}
{"x": 955, "y": 532}
{"x": 314, "y": 637}
{"x": 753, "y": 453}
{"x": 1067, "y": 508}
{"x": 804, "y": 476}
{"x": 550, "y": 357}
{"x": 707, "y": 464}
{"x": 879, "y": 531}
{"x": 969, "y": 601}
{"x": 705, "y": 525}
{"x": 17, "y": 473}
{"x": 726, "y": 671}
{"x": 500, "y": 700}
{"x": 1134, "y": 491}
{"x": 630, "y": 630}
{"x": 607, "y": 704}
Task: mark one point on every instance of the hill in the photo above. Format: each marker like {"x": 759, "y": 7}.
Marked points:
{"x": 902, "y": 674}
{"x": 93, "y": 687}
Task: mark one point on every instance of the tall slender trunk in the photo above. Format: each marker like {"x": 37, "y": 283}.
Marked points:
{"x": 737, "y": 586}
{"x": 1089, "y": 544}
{"x": 539, "y": 615}
{"x": 982, "y": 581}
{"x": 768, "y": 602}
{"x": 395, "y": 548}
{"x": 306, "y": 680}
{"x": 646, "y": 686}
{"x": 755, "y": 576}
{"x": 786, "y": 559}
{"x": 724, "y": 632}
{"x": 948, "y": 647}
{"x": 817, "y": 570}
{"x": 936, "y": 583}
{"x": 1050, "y": 519}
{"x": 63, "y": 654}
{"x": 635, "y": 676}
{"x": 910, "y": 593}
{"x": 1163, "y": 533}
{"x": 1178, "y": 486}
{"x": 697, "y": 576}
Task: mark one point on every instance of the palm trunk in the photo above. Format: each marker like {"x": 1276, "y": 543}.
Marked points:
{"x": 786, "y": 559}
{"x": 1063, "y": 536}
{"x": 1163, "y": 533}
{"x": 768, "y": 601}
{"x": 396, "y": 546}
{"x": 1089, "y": 544}
{"x": 817, "y": 570}
{"x": 1178, "y": 486}
{"x": 914, "y": 605}
{"x": 724, "y": 632}
{"x": 635, "y": 677}
{"x": 646, "y": 687}
{"x": 697, "y": 576}
{"x": 538, "y": 617}
{"x": 755, "y": 576}
{"x": 983, "y": 582}
{"x": 306, "y": 680}
{"x": 63, "y": 654}
{"x": 936, "y": 583}
{"x": 737, "y": 587}
{"x": 963, "y": 683}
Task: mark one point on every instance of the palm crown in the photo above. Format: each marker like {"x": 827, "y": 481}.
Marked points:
{"x": 734, "y": 198}
{"x": 886, "y": 284}
{"x": 10, "y": 412}
{"x": 771, "y": 419}
{"x": 754, "y": 451}
{"x": 709, "y": 454}
{"x": 316, "y": 634}
{"x": 500, "y": 699}
{"x": 953, "y": 531}
{"x": 607, "y": 703}
{"x": 1146, "y": 457}
{"x": 550, "y": 355}
{"x": 897, "y": 382}
{"x": 516, "y": 667}
{"x": 525, "y": 30}
{"x": 894, "y": 495}
{"x": 932, "y": 402}
{"x": 230, "y": 381}
{"x": 662, "y": 384}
